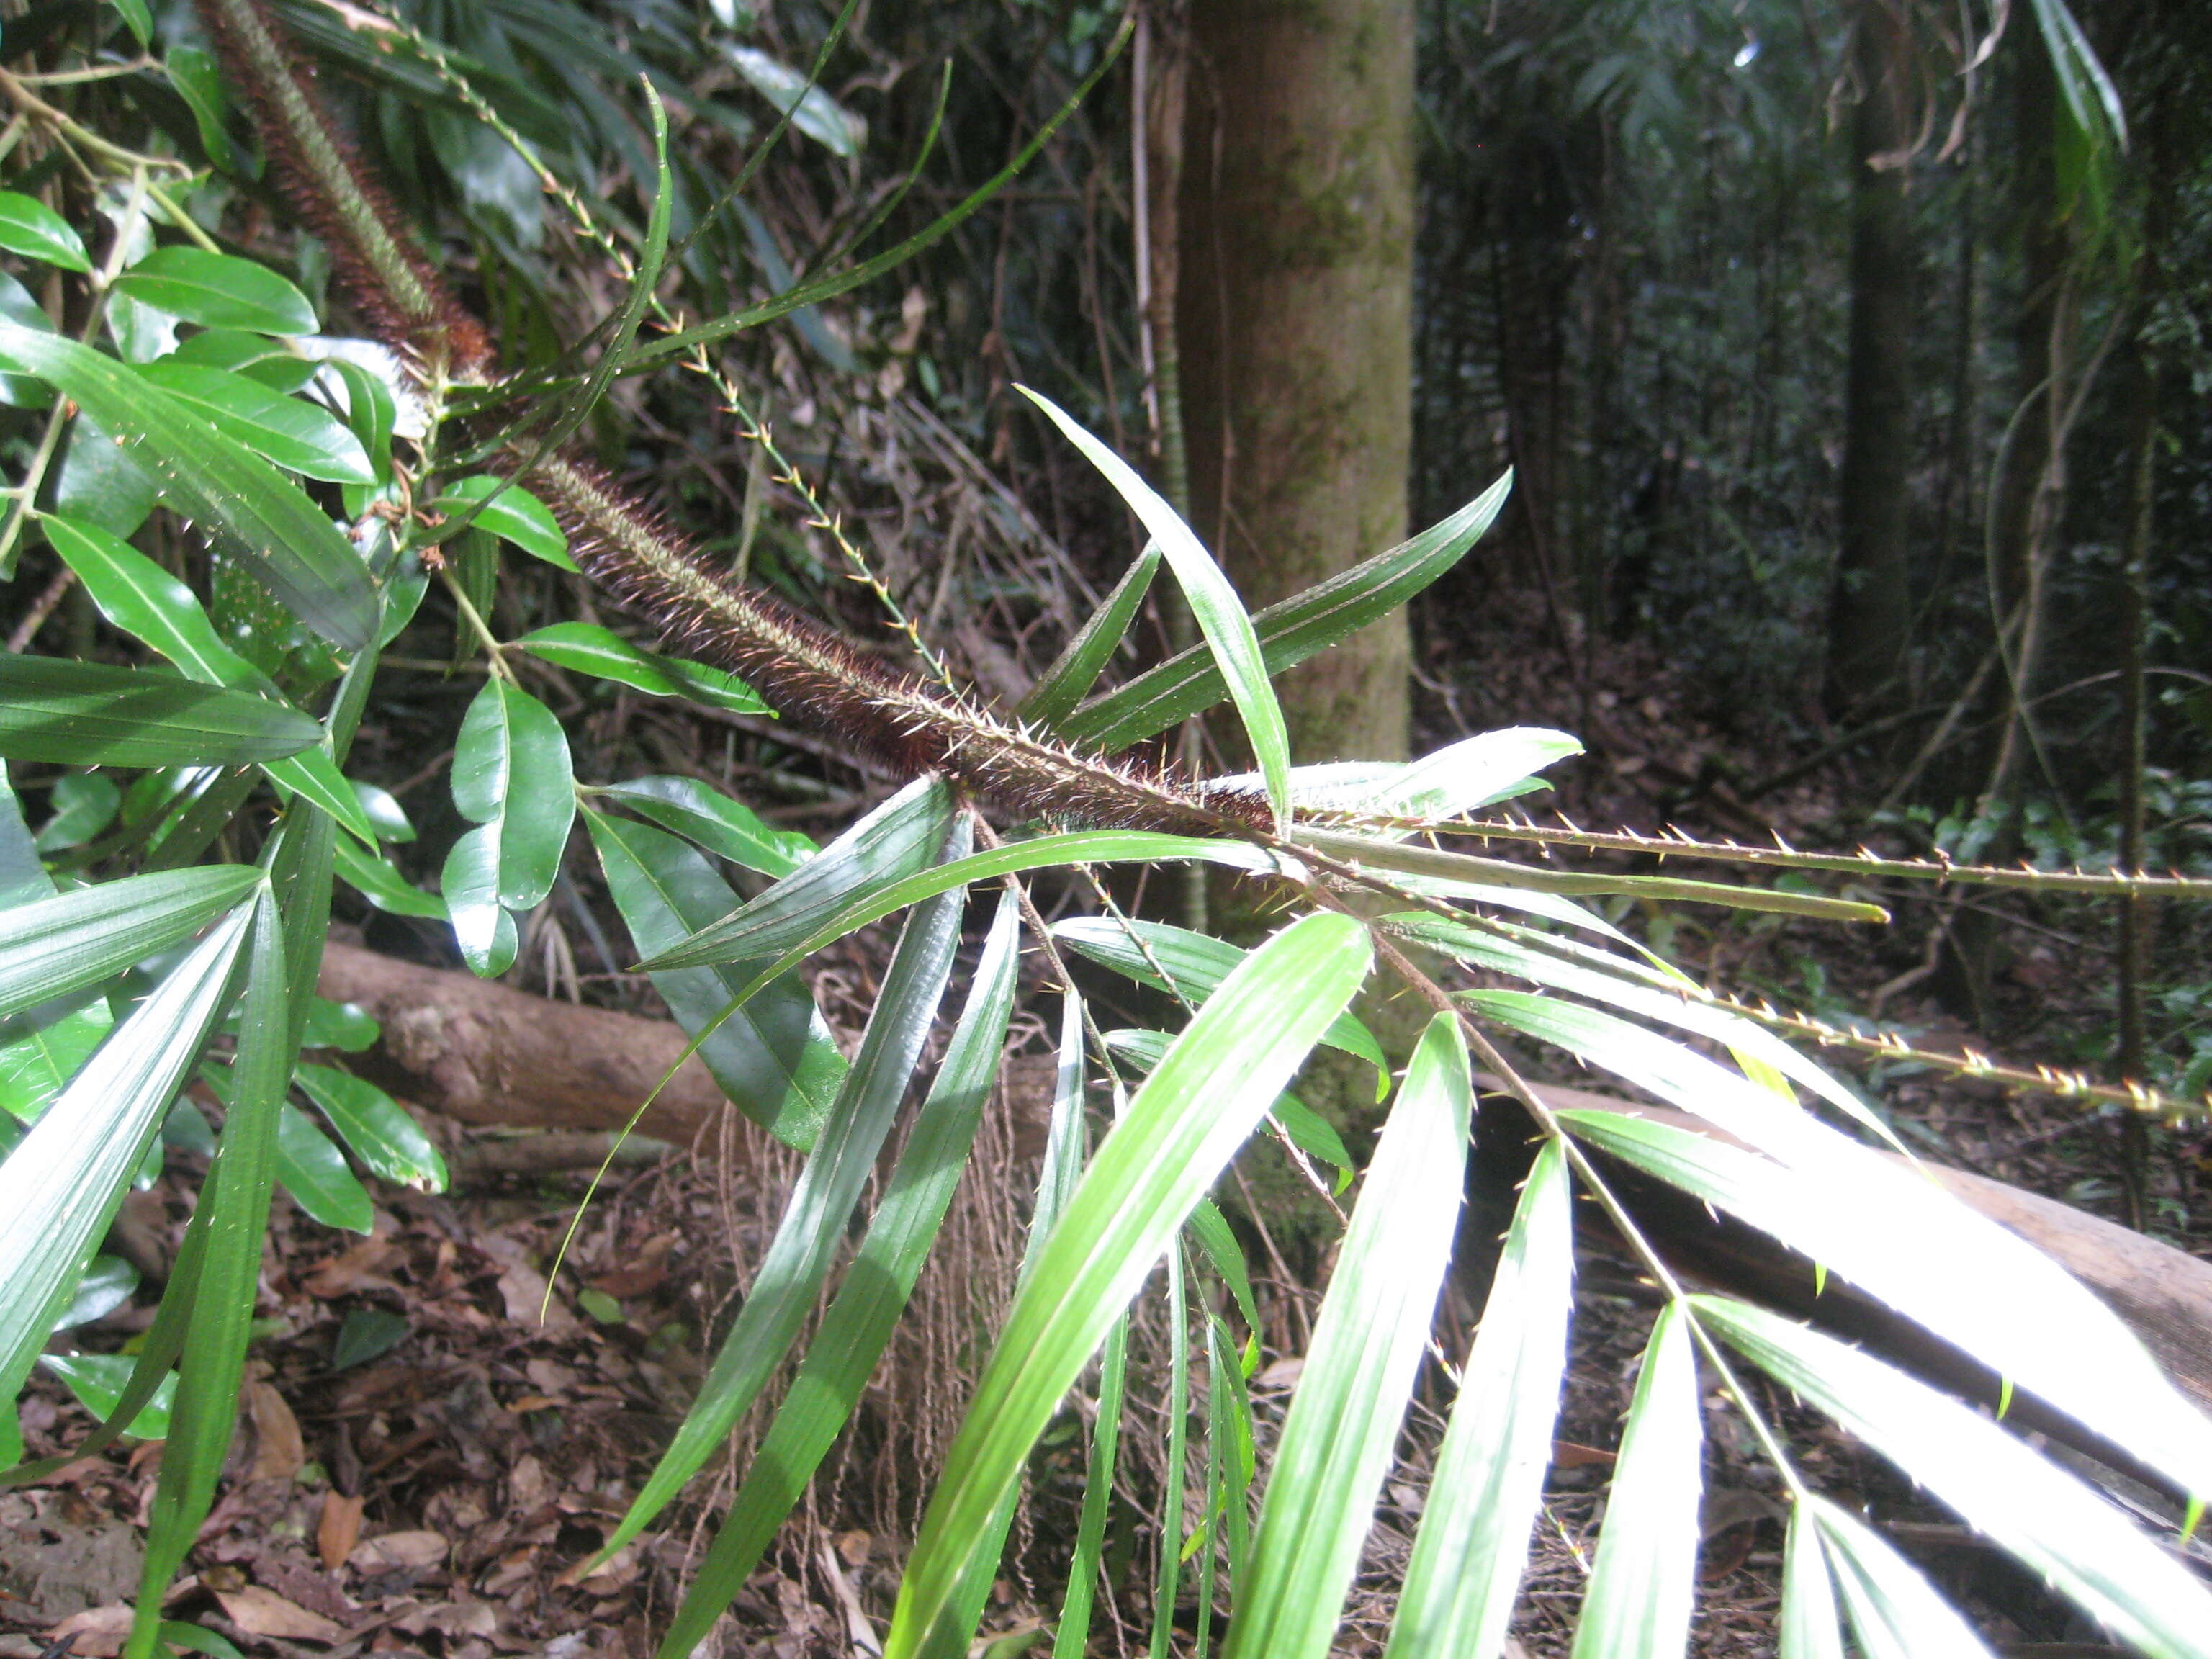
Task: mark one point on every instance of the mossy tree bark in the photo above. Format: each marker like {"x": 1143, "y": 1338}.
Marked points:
{"x": 1296, "y": 334}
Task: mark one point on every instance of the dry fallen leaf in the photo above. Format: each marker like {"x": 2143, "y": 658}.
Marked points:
{"x": 259, "y": 1612}
{"x": 278, "y": 1450}
{"x": 99, "y": 1632}
{"x": 392, "y": 1551}
{"x": 339, "y": 1527}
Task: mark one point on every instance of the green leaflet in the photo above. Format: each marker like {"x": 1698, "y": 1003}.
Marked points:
{"x": 50, "y": 948}
{"x": 1182, "y": 1128}
{"x": 859, "y": 1321}
{"x": 1367, "y": 1343}
{"x": 1076, "y": 670}
{"x": 513, "y": 778}
{"x": 791, "y": 1273}
{"x": 80, "y": 714}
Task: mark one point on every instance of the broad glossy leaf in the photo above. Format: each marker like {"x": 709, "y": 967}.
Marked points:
{"x": 144, "y": 600}
{"x": 791, "y": 1273}
{"x": 259, "y": 517}
{"x": 1987, "y": 1290}
{"x": 2065, "y": 1532}
{"x": 1472, "y": 1544}
{"x": 1470, "y": 774}
{"x": 1195, "y": 963}
{"x": 812, "y": 111}
{"x": 372, "y": 413}
{"x": 1641, "y": 1586}
{"x": 30, "y": 228}
{"x": 1180, "y": 1130}
{"x": 314, "y": 1172}
{"x": 81, "y": 714}
{"x": 383, "y": 810}
{"x": 1367, "y": 1344}
{"x": 511, "y": 512}
{"x": 1189, "y": 682}
{"x": 1076, "y": 670}
{"x": 37, "y": 1066}
{"x": 217, "y": 290}
{"x": 483, "y": 928}
{"x": 19, "y": 392}
{"x": 512, "y": 775}
{"x": 286, "y": 432}
{"x": 53, "y": 947}
{"x": 1214, "y": 606}
{"x": 271, "y": 362}
{"x": 1305, "y": 1128}
{"x": 854, "y": 1332}
{"x": 775, "y": 1057}
{"x": 375, "y": 1128}
{"x": 62, "y": 1181}
{"x": 587, "y": 648}
{"x": 198, "y": 80}
{"x": 378, "y": 881}
{"x": 105, "y": 1284}
{"x": 709, "y": 818}
{"x": 97, "y": 1380}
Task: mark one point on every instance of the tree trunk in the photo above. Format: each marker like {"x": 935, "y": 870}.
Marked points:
{"x": 1296, "y": 333}
{"x": 1870, "y": 613}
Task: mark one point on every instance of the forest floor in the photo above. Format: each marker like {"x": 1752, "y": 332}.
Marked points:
{"x": 427, "y": 1465}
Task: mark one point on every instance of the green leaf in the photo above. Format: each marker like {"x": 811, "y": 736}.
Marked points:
{"x": 366, "y": 1334}
{"x": 258, "y": 516}
{"x": 383, "y": 810}
{"x": 314, "y": 1172}
{"x": 148, "y": 602}
{"x": 372, "y": 413}
{"x": 587, "y": 648}
{"x": 854, "y": 1332}
{"x": 217, "y": 290}
{"x": 775, "y": 1058}
{"x": 30, "y": 228}
{"x": 84, "y": 802}
{"x": 512, "y": 775}
{"x": 64, "y": 1180}
{"x": 79, "y": 713}
{"x": 1180, "y": 1130}
{"x": 789, "y": 1279}
{"x": 1640, "y": 1588}
{"x": 17, "y": 392}
{"x": 1306, "y": 1129}
{"x": 286, "y": 432}
{"x": 135, "y": 18}
{"x": 1196, "y": 962}
{"x": 1473, "y": 1539}
{"x": 345, "y": 1026}
{"x": 52, "y": 948}
{"x": 511, "y": 512}
{"x": 38, "y": 1066}
{"x": 1810, "y": 1629}
{"x": 1391, "y": 857}
{"x": 191, "y": 1639}
{"x": 483, "y": 928}
{"x": 711, "y": 819}
{"x": 812, "y": 111}
{"x": 1213, "y": 605}
{"x": 313, "y": 773}
{"x": 1894, "y": 1611}
{"x": 1189, "y": 682}
{"x": 273, "y": 363}
{"x": 375, "y": 1128}
{"x": 199, "y": 82}
{"x": 744, "y": 934}
{"x": 230, "y": 1223}
{"x": 2064, "y": 1531}
{"x": 1076, "y": 670}
{"x": 107, "y": 1283}
{"x": 1367, "y": 1344}
{"x": 97, "y": 1381}
{"x": 1985, "y": 1289}
{"x": 378, "y": 881}
{"x": 1469, "y": 774}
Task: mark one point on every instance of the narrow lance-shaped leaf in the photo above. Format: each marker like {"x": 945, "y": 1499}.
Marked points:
{"x": 81, "y": 714}
{"x": 53, "y": 947}
{"x": 1810, "y": 1629}
{"x": 375, "y": 1128}
{"x": 1640, "y": 1589}
{"x": 236, "y": 1201}
{"x": 1473, "y": 1539}
{"x": 64, "y": 1180}
{"x": 260, "y": 517}
{"x": 286, "y": 432}
{"x": 727, "y": 829}
{"x": 588, "y": 649}
{"x": 1367, "y": 1344}
{"x": 2061, "y": 1528}
{"x": 1189, "y": 682}
{"x": 1895, "y": 1612}
{"x": 854, "y": 1332}
{"x": 791, "y": 1273}
{"x": 217, "y": 290}
{"x": 1076, "y": 670}
{"x": 1179, "y": 1132}
{"x": 1214, "y": 605}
